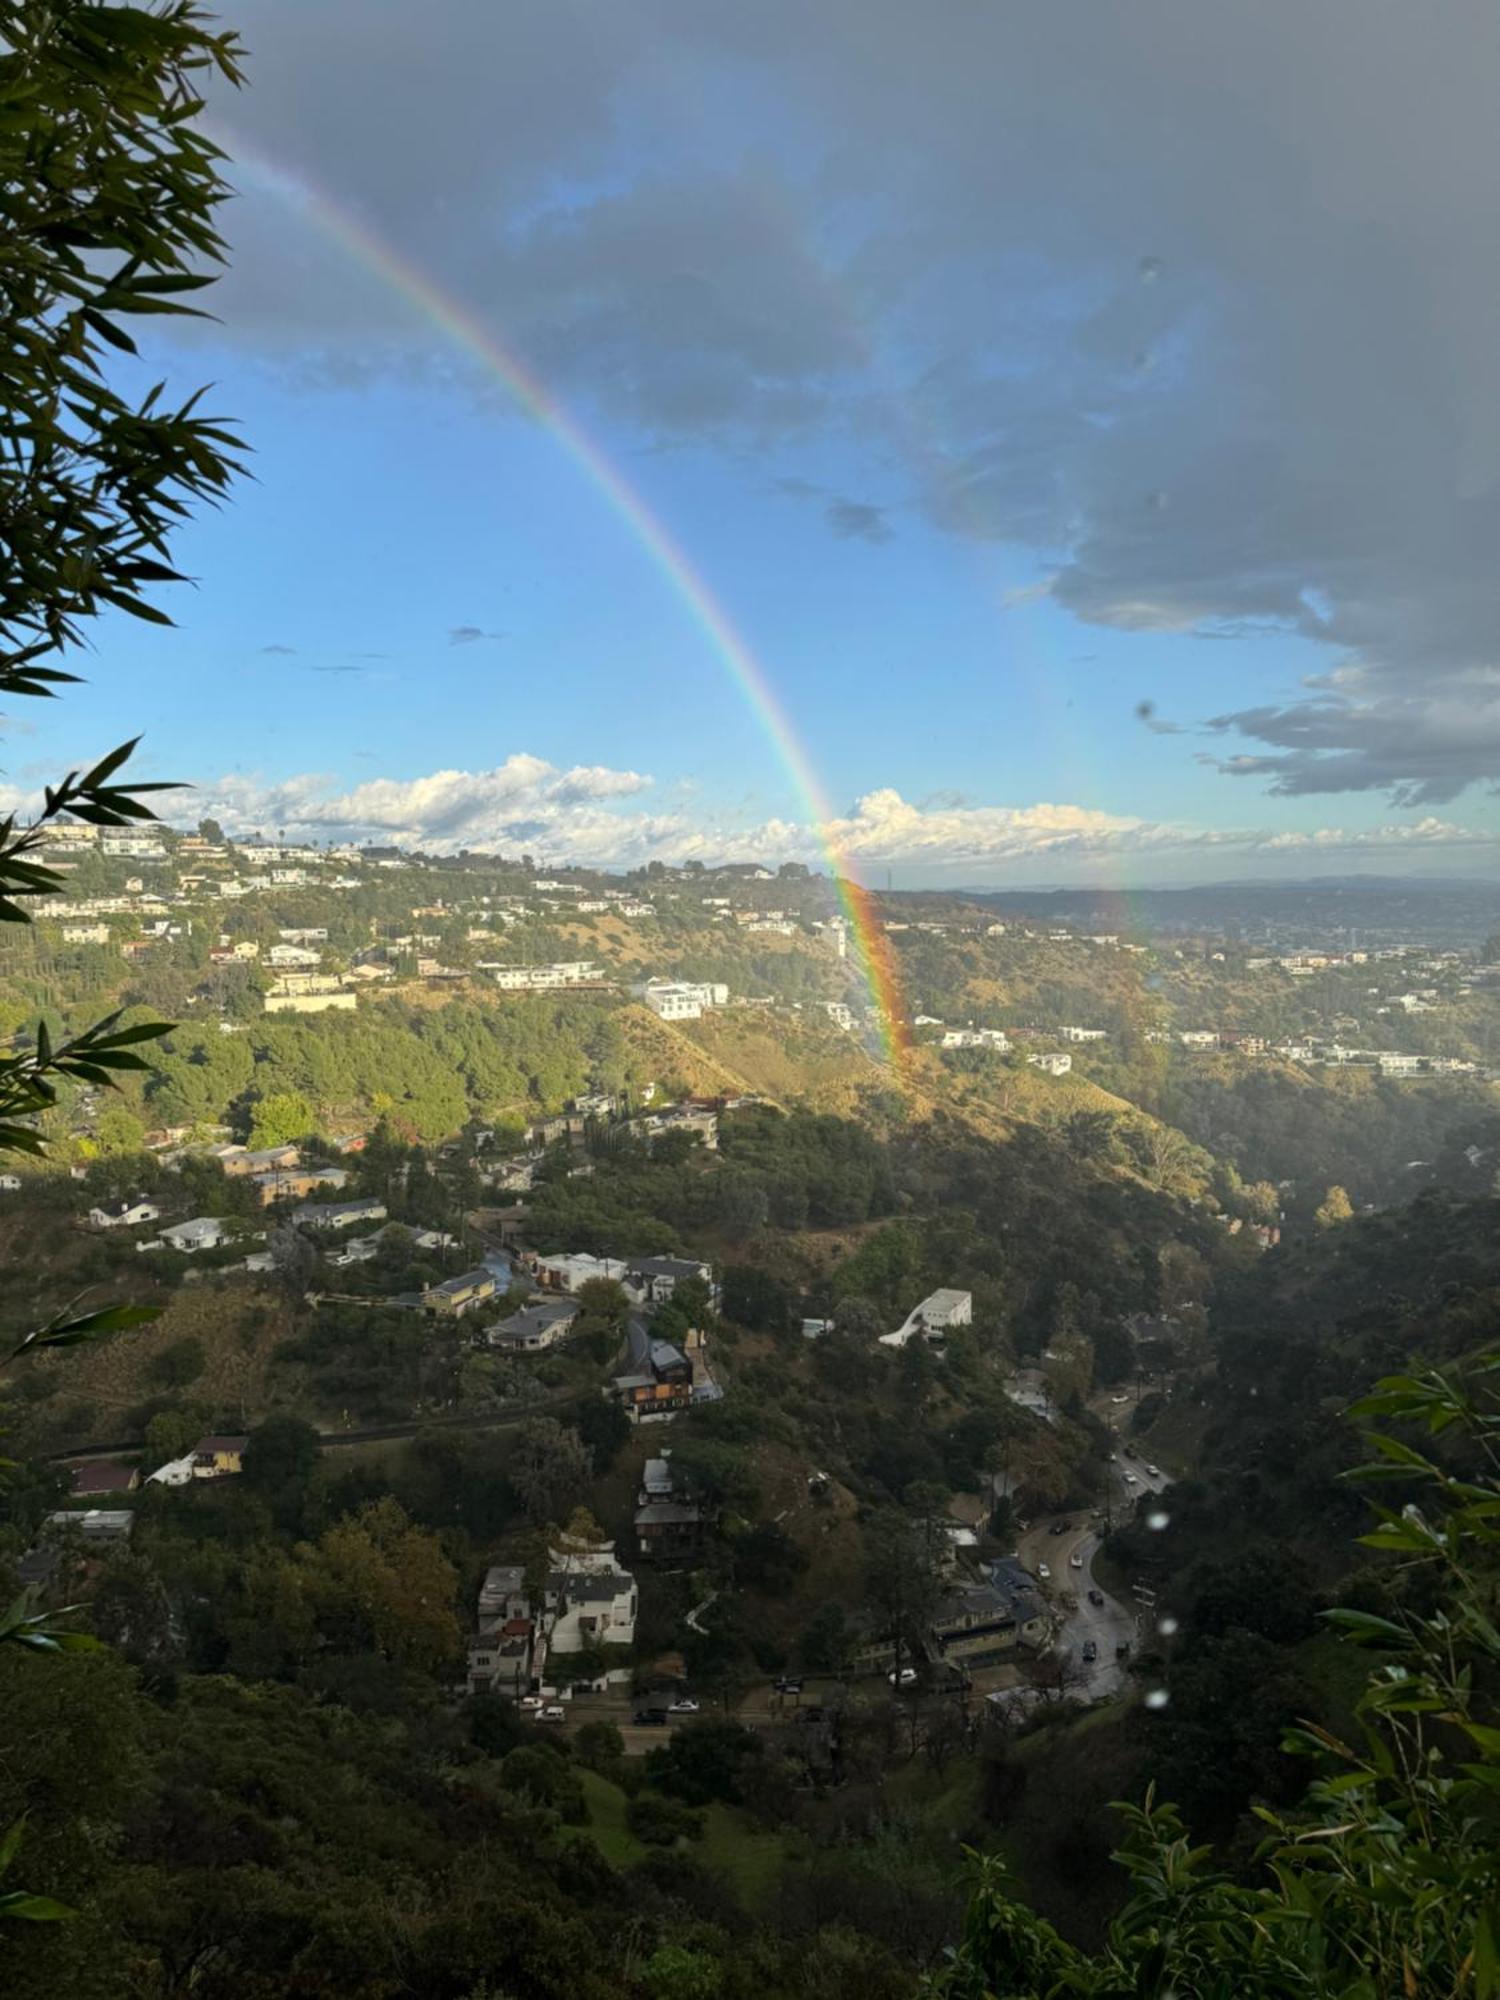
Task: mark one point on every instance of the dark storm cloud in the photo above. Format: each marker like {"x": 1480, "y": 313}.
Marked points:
{"x": 1199, "y": 302}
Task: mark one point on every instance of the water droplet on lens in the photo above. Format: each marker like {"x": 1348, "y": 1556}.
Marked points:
{"x": 1166, "y": 1626}
{"x": 1158, "y": 501}
{"x": 1157, "y": 1520}
{"x": 1158, "y": 1698}
{"x": 1149, "y": 270}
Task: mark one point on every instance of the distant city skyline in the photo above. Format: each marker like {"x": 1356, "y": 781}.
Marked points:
{"x": 683, "y": 436}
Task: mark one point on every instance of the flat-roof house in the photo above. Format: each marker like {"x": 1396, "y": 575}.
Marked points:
{"x": 592, "y": 1601}
{"x": 338, "y": 1214}
{"x": 658, "y": 1277}
{"x": 457, "y": 1296}
{"x": 562, "y": 1273}
{"x": 658, "y": 1378}
{"x": 102, "y": 1525}
{"x": 287, "y": 1183}
{"x": 237, "y": 1160}
{"x": 932, "y": 1318}
{"x": 358, "y": 1250}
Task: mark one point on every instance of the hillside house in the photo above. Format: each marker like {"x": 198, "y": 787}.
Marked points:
{"x": 294, "y": 1183}
{"x": 204, "y": 1232}
{"x": 656, "y": 1278}
{"x": 1053, "y": 1062}
{"x": 975, "y": 1038}
{"x": 679, "y": 999}
{"x": 456, "y": 1296}
{"x": 658, "y": 1378}
{"x": 219, "y": 1457}
{"x": 95, "y": 1527}
{"x": 669, "y": 1524}
{"x": 104, "y": 1475}
{"x": 358, "y": 1250}
{"x": 237, "y": 1160}
{"x": 500, "y": 1653}
{"x": 560, "y": 1273}
{"x": 932, "y": 1318}
{"x": 338, "y": 1214}
{"x": 535, "y": 1327}
{"x": 591, "y": 1601}
{"x": 127, "y": 1212}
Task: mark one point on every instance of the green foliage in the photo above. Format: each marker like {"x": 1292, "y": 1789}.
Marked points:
{"x": 705, "y": 1761}
{"x": 280, "y": 1118}
{"x": 662, "y": 1822}
{"x": 1384, "y": 1878}
{"x": 1335, "y": 1207}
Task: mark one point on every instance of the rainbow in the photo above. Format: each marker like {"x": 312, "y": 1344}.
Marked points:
{"x": 873, "y": 954}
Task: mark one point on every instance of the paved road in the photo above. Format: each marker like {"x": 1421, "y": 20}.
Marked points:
{"x": 1108, "y": 1624}
{"x": 380, "y": 1434}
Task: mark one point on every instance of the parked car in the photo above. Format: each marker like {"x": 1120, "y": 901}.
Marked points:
{"x": 1096, "y": 1597}
{"x": 1060, "y": 1527}
{"x": 785, "y": 1686}
{"x": 1075, "y": 1561}
{"x": 1043, "y": 1572}
{"x": 1131, "y": 1480}
{"x": 1090, "y": 1652}
{"x": 651, "y": 1718}
{"x": 1153, "y": 1471}
{"x": 553, "y": 1712}
{"x": 906, "y": 1678}
{"x": 1119, "y": 1399}
{"x": 684, "y": 1705}
{"x": 1122, "y": 1649}
{"x": 530, "y": 1703}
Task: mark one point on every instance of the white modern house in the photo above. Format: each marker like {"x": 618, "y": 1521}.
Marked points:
{"x": 1053, "y": 1061}
{"x": 679, "y": 999}
{"x": 129, "y": 1212}
{"x": 932, "y": 1318}
{"x": 569, "y": 1273}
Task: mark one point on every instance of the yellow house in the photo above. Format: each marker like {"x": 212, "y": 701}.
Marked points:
{"x": 455, "y": 1296}
{"x": 218, "y": 1457}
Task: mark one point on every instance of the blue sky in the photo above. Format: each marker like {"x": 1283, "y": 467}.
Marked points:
{"x": 976, "y": 473}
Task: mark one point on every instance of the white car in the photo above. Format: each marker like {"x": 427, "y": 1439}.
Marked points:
{"x": 1131, "y": 1480}
{"x": 1043, "y": 1572}
{"x": 553, "y": 1712}
{"x": 684, "y": 1706}
{"x": 1119, "y": 1399}
{"x": 530, "y": 1703}
{"x": 1075, "y": 1561}
{"x": 1153, "y": 1472}
{"x": 906, "y": 1678}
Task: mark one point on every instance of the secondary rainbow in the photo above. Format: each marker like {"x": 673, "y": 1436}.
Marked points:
{"x": 872, "y": 948}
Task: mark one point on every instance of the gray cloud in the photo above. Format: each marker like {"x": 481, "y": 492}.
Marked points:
{"x": 857, "y": 520}
{"x": 469, "y": 635}
{"x": 285, "y": 652}
{"x": 1196, "y": 303}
